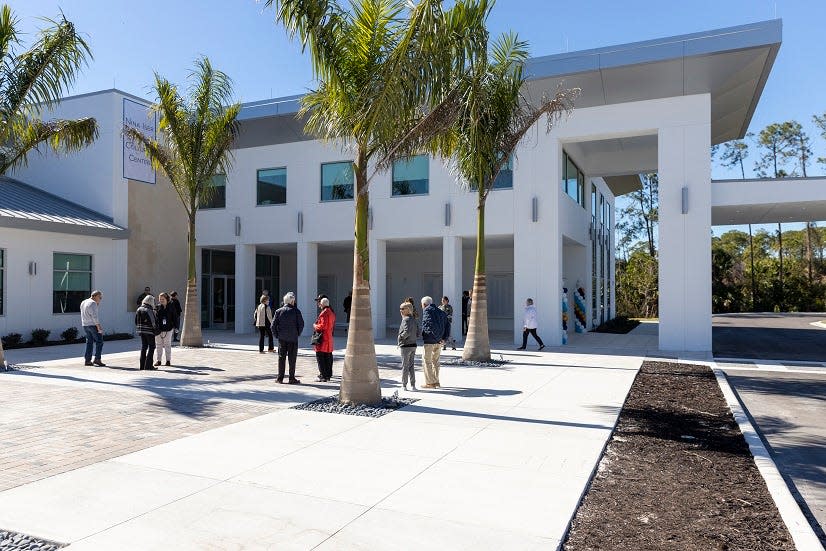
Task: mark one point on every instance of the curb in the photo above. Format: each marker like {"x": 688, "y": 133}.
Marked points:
{"x": 801, "y": 531}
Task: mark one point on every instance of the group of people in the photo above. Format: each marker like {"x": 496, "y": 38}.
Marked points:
{"x": 157, "y": 325}
{"x": 434, "y": 331}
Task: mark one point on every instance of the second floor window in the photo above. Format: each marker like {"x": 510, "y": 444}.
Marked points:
{"x": 337, "y": 181}
{"x": 216, "y": 198}
{"x": 410, "y": 176}
{"x": 271, "y": 188}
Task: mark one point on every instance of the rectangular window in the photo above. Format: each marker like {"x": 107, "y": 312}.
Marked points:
{"x": 272, "y": 186}
{"x": 71, "y": 282}
{"x": 410, "y": 176}
{"x": 2, "y": 281}
{"x": 216, "y": 198}
{"x": 504, "y": 180}
{"x": 337, "y": 181}
{"x": 573, "y": 180}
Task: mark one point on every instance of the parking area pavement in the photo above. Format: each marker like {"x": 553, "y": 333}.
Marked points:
{"x": 769, "y": 336}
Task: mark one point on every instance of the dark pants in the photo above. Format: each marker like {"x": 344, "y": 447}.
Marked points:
{"x": 147, "y": 350}
{"x": 286, "y": 349}
{"x": 464, "y": 324}
{"x": 325, "y": 364}
{"x": 92, "y": 336}
{"x": 527, "y": 332}
{"x": 264, "y": 332}
{"x": 348, "y": 315}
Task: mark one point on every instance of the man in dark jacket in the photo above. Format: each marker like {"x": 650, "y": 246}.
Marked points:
{"x": 434, "y": 333}
{"x": 465, "y": 311}
{"x": 176, "y": 305}
{"x": 287, "y": 326}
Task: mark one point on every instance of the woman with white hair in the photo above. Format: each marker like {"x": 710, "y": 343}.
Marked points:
{"x": 323, "y": 338}
{"x": 287, "y": 327}
{"x": 146, "y": 325}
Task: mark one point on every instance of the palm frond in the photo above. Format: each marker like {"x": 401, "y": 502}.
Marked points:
{"x": 62, "y": 136}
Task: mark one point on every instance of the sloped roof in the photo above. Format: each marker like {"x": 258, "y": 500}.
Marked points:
{"x": 26, "y": 207}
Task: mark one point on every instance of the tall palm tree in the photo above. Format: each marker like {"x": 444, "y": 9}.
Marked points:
{"x": 33, "y": 80}
{"x": 196, "y": 136}
{"x": 386, "y": 71}
{"x": 495, "y": 116}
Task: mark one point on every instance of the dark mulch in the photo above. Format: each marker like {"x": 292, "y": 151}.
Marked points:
{"x": 677, "y": 474}
{"x": 620, "y": 325}
{"x": 30, "y": 344}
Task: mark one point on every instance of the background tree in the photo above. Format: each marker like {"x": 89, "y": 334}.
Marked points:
{"x": 639, "y": 217}
{"x": 493, "y": 119}
{"x": 32, "y": 81}
{"x": 386, "y": 89}
{"x": 196, "y": 136}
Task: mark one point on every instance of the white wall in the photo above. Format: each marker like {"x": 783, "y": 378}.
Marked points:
{"x": 28, "y": 298}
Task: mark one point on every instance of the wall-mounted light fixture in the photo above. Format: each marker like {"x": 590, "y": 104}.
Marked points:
{"x": 33, "y": 268}
{"x": 237, "y": 226}
{"x": 370, "y": 218}
{"x": 447, "y": 214}
{"x": 300, "y": 222}
{"x": 535, "y": 209}
{"x": 685, "y": 199}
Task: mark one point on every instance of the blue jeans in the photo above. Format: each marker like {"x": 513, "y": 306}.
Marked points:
{"x": 92, "y": 336}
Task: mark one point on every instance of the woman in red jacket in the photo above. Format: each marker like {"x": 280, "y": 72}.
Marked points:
{"x": 324, "y": 349}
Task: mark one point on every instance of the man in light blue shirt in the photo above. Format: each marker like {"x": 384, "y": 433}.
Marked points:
{"x": 91, "y": 326}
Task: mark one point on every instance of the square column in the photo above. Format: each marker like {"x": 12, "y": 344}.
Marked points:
{"x": 306, "y": 281}
{"x": 378, "y": 286}
{"x": 452, "y": 281}
{"x": 245, "y": 299}
{"x": 685, "y": 234}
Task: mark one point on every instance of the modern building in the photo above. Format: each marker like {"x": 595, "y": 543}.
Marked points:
{"x": 283, "y": 216}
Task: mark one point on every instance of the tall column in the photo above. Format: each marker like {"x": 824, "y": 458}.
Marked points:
{"x": 685, "y": 234}
{"x": 244, "y": 287}
{"x": 306, "y": 279}
{"x": 452, "y": 280}
{"x": 378, "y": 286}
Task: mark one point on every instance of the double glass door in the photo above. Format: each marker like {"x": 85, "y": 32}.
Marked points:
{"x": 222, "y": 307}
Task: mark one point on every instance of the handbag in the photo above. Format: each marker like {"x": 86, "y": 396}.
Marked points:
{"x": 317, "y": 338}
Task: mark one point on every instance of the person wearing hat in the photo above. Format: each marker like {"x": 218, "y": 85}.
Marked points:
{"x": 324, "y": 325}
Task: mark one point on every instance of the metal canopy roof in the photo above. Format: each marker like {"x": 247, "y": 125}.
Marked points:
{"x": 29, "y": 208}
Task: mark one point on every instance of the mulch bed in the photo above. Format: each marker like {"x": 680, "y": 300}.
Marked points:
{"x": 620, "y": 325}
{"x": 677, "y": 474}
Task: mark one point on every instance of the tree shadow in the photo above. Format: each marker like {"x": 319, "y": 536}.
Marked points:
{"x": 781, "y": 384}
{"x": 496, "y": 417}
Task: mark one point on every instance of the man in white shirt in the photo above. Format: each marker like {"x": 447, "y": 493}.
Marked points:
{"x": 91, "y": 326}
{"x": 529, "y": 326}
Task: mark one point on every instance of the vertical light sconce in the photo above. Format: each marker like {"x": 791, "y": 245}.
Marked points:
{"x": 370, "y": 218}
{"x": 33, "y": 268}
{"x": 535, "y": 209}
{"x": 447, "y": 214}
{"x": 237, "y": 226}
{"x": 300, "y": 222}
{"x": 685, "y": 199}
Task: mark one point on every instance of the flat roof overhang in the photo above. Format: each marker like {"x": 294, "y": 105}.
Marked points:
{"x": 767, "y": 201}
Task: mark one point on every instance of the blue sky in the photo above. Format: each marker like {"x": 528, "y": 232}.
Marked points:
{"x": 131, "y": 39}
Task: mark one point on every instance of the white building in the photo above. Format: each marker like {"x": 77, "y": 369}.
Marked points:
{"x": 283, "y": 219}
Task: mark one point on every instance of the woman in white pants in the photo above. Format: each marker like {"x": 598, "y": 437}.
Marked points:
{"x": 166, "y": 316}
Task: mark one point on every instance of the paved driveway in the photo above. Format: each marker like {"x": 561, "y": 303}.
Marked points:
{"x": 770, "y": 336}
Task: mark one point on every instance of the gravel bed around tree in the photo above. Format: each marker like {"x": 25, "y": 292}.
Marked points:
{"x": 332, "y": 405}
{"x": 459, "y": 362}
{"x": 677, "y": 474}
{"x": 13, "y": 541}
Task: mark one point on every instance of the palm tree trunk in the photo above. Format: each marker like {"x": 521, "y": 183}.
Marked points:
{"x": 2, "y": 356}
{"x": 477, "y": 342}
{"x": 191, "y": 325}
{"x": 360, "y": 382}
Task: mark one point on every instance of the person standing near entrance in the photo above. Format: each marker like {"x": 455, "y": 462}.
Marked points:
{"x": 324, "y": 324}
{"x": 287, "y": 327}
{"x": 141, "y": 296}
{"x": 465, "y": 310}
{"x": 263, "y": 321}
{"x": 90, "y": 322}
{"x": 529, "y": 326}
{"x": 348, "y": 305}
{"x": 165, "y": 316}
{"x": 409, "y": 333}
{"x": 146, "y": 325}
{"x": 434, "y": 334}
{"x": 176, "y": 305}
{"x": 447, "y": 308}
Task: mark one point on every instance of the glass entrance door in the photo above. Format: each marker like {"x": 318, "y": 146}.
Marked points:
{"x": 222, "y": 310}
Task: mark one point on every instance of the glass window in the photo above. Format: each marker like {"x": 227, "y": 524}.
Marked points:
{"x": 410, "y": 176}
{"x": 272, "y": 186}
{"x": 573, "y": 180}
{"x": 218, "y": 197}
{"x": 2, "y": 279}
{"x": 71, "y": 282}
{"x": 337, "y": 181}
{"x": 504, "y": 180}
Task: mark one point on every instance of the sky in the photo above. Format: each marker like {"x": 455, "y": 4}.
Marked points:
{"x": 130, "y": 40}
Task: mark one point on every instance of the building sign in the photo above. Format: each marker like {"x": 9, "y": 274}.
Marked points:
{"x": 136, "y": 165}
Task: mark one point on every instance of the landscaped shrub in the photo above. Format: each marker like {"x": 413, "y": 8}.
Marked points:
{"x": 40, "y": 336}
{"x": 69, "y": 334}
{"x": 12, "y": 339}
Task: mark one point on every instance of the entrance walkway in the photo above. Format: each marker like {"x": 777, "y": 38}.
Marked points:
{"x": 497, "y": 458}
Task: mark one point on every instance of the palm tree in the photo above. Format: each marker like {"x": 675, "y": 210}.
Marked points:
{"x": 494, "y": 118}
{"x": 196, "y": 137}
{"x": 386, "y": 89}
{"x": 34, "y": 80}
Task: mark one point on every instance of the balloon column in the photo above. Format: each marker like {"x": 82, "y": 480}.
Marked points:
{"x": 564, "y": 315}
{"x": 579, "y": 309}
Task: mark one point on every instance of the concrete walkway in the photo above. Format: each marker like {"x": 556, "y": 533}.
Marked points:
{"x": 496, "y": 459}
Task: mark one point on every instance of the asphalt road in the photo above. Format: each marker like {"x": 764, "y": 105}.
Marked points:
{"x": 770, "y": 336}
